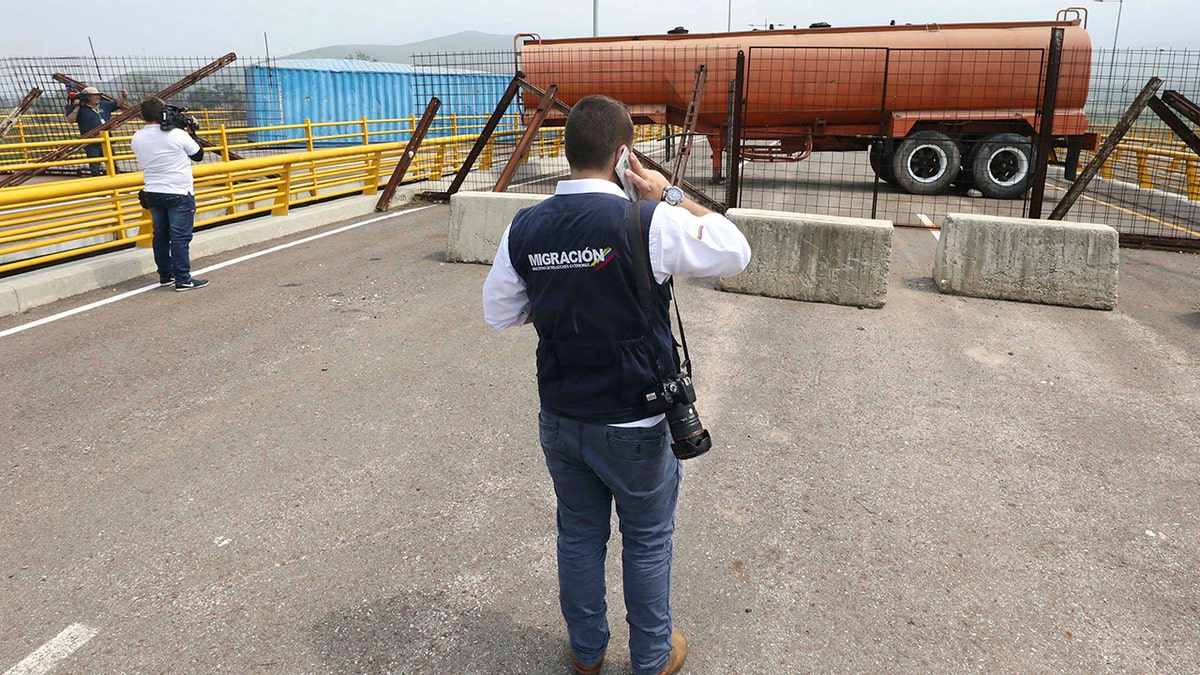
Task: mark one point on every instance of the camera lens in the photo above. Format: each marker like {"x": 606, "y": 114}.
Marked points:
{"x": 690, "y": 436}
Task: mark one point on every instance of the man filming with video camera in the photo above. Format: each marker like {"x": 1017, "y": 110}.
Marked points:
{"x": 165, "y": 149}
{"x": 592, "y": 272}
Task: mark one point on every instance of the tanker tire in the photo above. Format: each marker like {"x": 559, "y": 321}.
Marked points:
{"x": 1002, "y": 165}
{"x": 881, "y": 163}
{"x": 926, "y": 162}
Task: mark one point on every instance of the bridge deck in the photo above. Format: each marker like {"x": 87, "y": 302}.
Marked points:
{"x": 326, "y": 462}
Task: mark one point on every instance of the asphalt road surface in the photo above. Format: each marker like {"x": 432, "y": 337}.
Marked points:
{"x": 326, "y": 462}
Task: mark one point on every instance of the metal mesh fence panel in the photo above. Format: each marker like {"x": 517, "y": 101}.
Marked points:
{"x": 657, "y": 87}
{"x": 218, "y": 99}
{"x": 902, "y": 134}
{"x": 1150, "y": 187}
{"x": 899, "y": 134}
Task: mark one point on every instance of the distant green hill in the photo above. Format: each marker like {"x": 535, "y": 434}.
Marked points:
{"x": 466, "y": 41}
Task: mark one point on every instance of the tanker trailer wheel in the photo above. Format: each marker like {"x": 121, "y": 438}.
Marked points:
{"x": 881, "y": 163}
{"x": 926, "y": 162}
{"x": 1002, "y": 165}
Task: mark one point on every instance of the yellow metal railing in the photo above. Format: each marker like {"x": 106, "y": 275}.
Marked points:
{"x": 21, "y": 150}
{"x": 67, "y": 218}
{"x": 48, "y": 222}
{"x": 21, "y": 153}
{"x": 1173, "y": 168}
{"x": 1154, "y": 158}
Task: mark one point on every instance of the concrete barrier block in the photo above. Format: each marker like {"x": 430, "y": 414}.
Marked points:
{"x": 477, "y": 221}
{"x": 842, "y": 261}
{"x": 9, "y": 302}
{"x": 1047, "y": 261}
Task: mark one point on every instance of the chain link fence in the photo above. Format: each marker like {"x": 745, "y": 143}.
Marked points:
{"x": 906, "y": 134}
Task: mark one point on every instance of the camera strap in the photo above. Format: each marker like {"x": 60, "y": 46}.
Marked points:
{"x": 643, "y": 274}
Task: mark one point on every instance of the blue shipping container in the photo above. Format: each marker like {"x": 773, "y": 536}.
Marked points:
{"x": 340, "y": 90}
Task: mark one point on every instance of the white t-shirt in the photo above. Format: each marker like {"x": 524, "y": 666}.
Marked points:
{"x": 165, "y": 159}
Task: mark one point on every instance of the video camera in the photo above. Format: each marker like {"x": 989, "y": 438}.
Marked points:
{"x": 173, "y": 117}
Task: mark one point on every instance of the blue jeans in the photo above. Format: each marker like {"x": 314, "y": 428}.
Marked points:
{"x": 172, "y": 216}
{"x": 593, "y": 465}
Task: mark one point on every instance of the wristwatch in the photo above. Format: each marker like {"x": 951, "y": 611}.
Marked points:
{"x": 672, "y": 195}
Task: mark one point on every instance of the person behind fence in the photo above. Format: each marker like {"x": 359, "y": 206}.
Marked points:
{"x": 568, "y": 267}
{"x": 165, "y": 152}
{"x": 88, "y": 111}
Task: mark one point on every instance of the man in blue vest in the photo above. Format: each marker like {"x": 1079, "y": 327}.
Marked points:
{"x": 566, "y": 265}
{"x": 89, "y": 112}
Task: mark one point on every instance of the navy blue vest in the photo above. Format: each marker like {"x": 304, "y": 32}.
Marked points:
{"x": 597, "y": 351}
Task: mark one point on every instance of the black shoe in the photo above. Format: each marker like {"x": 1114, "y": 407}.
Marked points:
{"x": 166, "y": 282}
{"x": 191, "y": 285}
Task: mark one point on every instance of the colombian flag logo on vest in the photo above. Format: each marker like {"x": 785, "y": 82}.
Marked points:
{"x": 606, "y": 256}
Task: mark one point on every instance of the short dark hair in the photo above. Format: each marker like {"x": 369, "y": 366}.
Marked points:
{"x": 596, "y": 127}
{"x": 152, "y": 109}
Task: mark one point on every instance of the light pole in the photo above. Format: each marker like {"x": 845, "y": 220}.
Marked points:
{"x": 1120, "y": 6}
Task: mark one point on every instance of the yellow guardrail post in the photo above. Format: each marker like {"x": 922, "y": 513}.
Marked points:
{"x": 110, "y": 164}
{"x": 1192, "y": 176}
{"x": 223, "y": 136}
{"x": 312, "y": 167}
{"x": 486, "y": 157}
{"x": 375, "y": 165}
{"x": 1142, "y": 162}
{"x": 119, "y": 212}
{"x": 365, "y": 135}
{"x": 440, "y": 159}
{"x": 283, "y": 194}
{"x": 24, "y": 140}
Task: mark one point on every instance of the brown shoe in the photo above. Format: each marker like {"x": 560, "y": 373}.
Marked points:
{"x": 678, "y": 653}
{"x": 581, "y": 669}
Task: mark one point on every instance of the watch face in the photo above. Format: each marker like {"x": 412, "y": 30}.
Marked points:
{"x": 673, "y": 195}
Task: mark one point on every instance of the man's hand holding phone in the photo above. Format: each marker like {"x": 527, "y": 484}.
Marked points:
{"x": 638, "y": 180}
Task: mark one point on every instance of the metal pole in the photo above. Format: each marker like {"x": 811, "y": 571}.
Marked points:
{"x": 410, "y": 153}
{"x": 734, "y": 185}
{"x": 595, "y": 18}
{"x": 1045, "y": 137}
{"x": 1106, "y": 148}
{"x": 1113, "y": 62}
{"x": 94, "y": 59}
{"x": 1116, "y": 32}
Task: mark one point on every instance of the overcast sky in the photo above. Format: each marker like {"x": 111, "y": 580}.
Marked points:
{"x": 213, "y": 27}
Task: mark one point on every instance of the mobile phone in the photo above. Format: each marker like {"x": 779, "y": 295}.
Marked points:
{"x": 631, "y": 190}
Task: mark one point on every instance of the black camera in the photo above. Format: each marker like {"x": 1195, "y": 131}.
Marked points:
{"x": 676, "y": 397}
{"x": 173, "y": 117}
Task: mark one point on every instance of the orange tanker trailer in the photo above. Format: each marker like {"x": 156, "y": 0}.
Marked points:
{"x": 933, "y": 104}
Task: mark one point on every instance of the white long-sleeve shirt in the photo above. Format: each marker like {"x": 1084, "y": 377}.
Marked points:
{"x": 680, "y": 244}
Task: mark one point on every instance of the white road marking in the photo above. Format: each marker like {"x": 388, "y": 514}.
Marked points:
{"x": 47, "y": 657}
{"x": 138, "y": 291}
{"x": 929, "y": 223}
